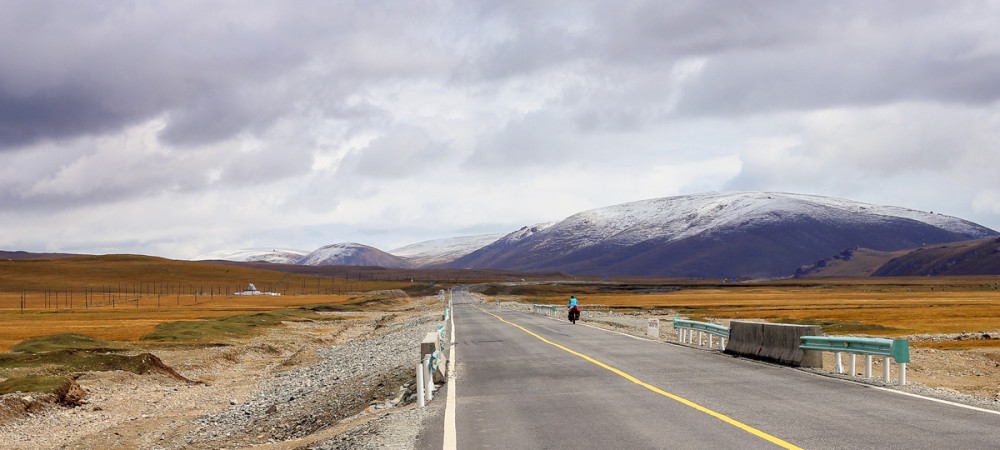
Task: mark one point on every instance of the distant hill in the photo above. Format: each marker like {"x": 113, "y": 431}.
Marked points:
{"x": 443, "y": 251}
{"x": 710, "y": 235}
{"x": 980, "y": 257}
{"x": 352, "y": 254}
{"x": 852, "y": 262}
{"x": 739, "y": 234}
{"x": 278, "y": 256}
{"x": 27, "y": 255}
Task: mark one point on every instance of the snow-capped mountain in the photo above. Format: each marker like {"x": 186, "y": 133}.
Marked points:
{"x": 352, "y": 254}
{"x": 440, "y": 251}
{"x": 280, "y": 256}
{"x": 757, "y": 234}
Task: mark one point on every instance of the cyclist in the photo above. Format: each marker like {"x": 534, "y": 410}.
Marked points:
{"x": 574, "y": 309}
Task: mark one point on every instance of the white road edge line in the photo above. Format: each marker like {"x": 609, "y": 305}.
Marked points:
{"x": 938, "y": 400}
{"x": 450, "y": 432}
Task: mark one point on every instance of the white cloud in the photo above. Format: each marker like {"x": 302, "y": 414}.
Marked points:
{"x": 302, "y": 124}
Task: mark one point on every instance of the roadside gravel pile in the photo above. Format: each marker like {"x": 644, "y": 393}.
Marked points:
{"x": 362, "y": 377}
{"x": 345, "y": 383}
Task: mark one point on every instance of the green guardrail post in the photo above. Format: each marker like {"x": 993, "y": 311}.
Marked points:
{"x": 900, "y": 350}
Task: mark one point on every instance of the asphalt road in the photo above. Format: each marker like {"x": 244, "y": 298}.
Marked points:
{"x": 590, "y": 388}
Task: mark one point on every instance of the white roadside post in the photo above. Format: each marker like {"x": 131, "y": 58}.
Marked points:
{"x": 420, "y": 385}
{"x": 853, "y": 365}
{"x": 885, "y": 370}
{"x": 902, "y": 374}
{"x": 868, "y": 366}
{"x": 653, "y": 328}
{"x": 429, "y": 379}
{"x": 710, "y": 336}
{"x": 838, "y": 366}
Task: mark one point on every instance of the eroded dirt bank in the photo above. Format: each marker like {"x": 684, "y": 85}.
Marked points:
{"x": 312, "y": 384}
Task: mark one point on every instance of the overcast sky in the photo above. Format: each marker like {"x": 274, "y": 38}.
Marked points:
{"x": 175, "y": 128}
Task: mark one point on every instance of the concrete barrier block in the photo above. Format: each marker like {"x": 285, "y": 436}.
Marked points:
{"x": 429, "y": 345}
{"x": 812, "y": 358}
{"x": 745, "y": 339}
{"x": 773, "y": 342}
{"x": 781, "y": 342}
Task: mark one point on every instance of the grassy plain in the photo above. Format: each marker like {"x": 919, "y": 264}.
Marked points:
{"x": 124, "y": 297}
{"x": 885, "y": 307}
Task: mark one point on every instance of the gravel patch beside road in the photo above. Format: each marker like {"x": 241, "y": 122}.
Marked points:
{"x": 340, "y": 384}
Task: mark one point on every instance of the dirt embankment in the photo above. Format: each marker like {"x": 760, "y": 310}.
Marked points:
{"x": 299, "y": 384}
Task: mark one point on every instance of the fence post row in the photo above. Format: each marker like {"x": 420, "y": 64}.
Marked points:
{"x": 897, "y": 349}
{"x": 686, "y": 328}
{"x": 546, "y": 310}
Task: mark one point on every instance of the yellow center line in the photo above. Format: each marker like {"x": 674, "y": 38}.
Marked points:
{"x": 657, "y": 390}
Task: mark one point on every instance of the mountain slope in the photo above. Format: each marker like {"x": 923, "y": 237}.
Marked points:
{"x": 278, "y": 256}
{"x": 980, "y": 257}
{"x": 440, "y": 251}
{"x": 27, "y": 255}
{"x": 352, "y": 254}
{"x": 755, "y": 234}
{"x": 852, "y": 262}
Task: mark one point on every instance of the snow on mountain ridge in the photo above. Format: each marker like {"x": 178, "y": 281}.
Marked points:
{"x": 280, "y": 256}
{"x": 339, "y": 251}
{"x": 524, "y": 233}
{"x": 679, "y": 217}
{"x": 444, "y": 250}
{"x": 658, "y": 221}
{"x": 756, "y": 234}
{"x": 352, "y": 254}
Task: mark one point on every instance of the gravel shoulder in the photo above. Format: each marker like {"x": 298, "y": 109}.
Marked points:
{"x": 325, "y": 385}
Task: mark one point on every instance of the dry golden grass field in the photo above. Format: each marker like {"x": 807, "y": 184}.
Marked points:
{"x": 123, "y": 297}
{"x": 888, "y": 307}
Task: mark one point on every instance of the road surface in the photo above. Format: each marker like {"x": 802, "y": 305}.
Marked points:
{"x": 527, "y": 381}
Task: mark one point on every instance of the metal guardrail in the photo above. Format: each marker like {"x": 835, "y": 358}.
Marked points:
{"x": 686, "y": 328}
{"x": 548, "y": 310}
{"x": 897, "y": 349}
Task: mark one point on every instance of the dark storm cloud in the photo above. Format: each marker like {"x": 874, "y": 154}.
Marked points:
{"x": 70, "y": 68}
{"x": 825, "y": 76}
{"x": 77, "y": 68}
{"x": 57, "y": 113}
{"x": 764, "y": 56}
{"x": 773, "y": 56}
